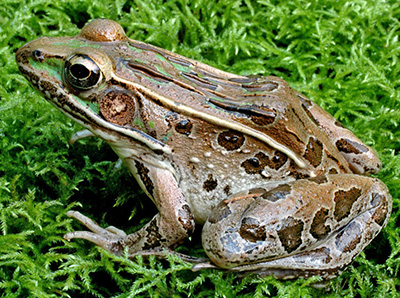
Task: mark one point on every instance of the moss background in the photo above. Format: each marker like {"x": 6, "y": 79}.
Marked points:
{"x": 343, "y": 55}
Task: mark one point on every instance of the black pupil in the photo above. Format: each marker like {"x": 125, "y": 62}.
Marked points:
{"x": 38, "y": 55}
{"x": 79, "y": 71}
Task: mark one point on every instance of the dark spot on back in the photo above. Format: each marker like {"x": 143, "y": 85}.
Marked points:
{"x": 333, "y": 171}
{"x": 319, "y": 229}
{"x": 299, "y": 175}
{"x": 277, "y": 161}
{"x": 314, "y": 152}
{"x": 257, "y": 163}
{"x": 210, "y": 184}
{"x": 290, "y": 232}
{"x": 344, "y": 200}
{"x": 184, "y": 127}
{"x": 310, "y": 115}
{"x": 251, "y": 230}
{"x": 277, "y": 193}
{"x": 306, "y": 104}
{"x": 263, "y": 115}
{"x": 231, "y": 140}
{"x": 348, "y": 146}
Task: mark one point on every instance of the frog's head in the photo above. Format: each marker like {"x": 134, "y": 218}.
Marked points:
{"x": 77, "y": 75}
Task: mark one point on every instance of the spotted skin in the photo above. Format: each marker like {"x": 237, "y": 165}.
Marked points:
{"x": 271, "y": 175}
{"x": 210, "y": 184}
{"x": 361, "y": 158}
{"x": 184, "y": 127}
{"x": 319, "y": 227}
{"x": 285, "y": 233}
{"x": 231, "y": 140}
{"x": 314, "y": 151}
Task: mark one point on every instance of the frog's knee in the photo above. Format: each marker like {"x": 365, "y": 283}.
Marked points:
{"x": 232, "y": 242}
{"x": 219, "y": 238}
{"x": 228, "y": 248}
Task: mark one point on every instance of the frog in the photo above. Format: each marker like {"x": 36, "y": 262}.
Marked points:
{"x": 277, "y": 185}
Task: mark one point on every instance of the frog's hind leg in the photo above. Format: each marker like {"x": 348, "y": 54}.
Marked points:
{"x": 362, "y": 159}
{"x": 327, "y": 260}
{"x": 306, "y": 227}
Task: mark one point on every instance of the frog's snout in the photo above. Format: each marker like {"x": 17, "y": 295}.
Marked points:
{"x": 22, "y": 55}
{"x": 30, "y": 50}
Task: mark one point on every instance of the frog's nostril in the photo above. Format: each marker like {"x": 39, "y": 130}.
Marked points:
{"x": 38, "y": 55}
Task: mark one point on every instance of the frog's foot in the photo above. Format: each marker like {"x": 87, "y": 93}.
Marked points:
{"x": 111, "y": 238}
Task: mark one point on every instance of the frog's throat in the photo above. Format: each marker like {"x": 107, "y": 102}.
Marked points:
{"x": 186, "y": 110}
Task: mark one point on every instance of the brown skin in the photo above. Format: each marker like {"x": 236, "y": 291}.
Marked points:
{"x": 281, "y": 171}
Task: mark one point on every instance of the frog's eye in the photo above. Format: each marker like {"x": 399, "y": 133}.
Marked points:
{"x": 81, "y": 72}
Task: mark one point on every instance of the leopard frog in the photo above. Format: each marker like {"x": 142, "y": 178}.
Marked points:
{"x": 278, "y": 184}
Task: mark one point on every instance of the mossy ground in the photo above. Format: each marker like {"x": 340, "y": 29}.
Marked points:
{"x": 343, "y": 55}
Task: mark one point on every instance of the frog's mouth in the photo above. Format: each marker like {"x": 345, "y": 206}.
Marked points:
{"x": 47, "y": 79}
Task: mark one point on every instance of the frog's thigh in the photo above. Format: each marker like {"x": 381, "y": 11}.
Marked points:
{"x": 312, "y": 224}
{"x": 362, "y": 159}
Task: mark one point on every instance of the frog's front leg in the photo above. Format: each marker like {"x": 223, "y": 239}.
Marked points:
{"x": 173, "y": 223}
{"x": 302, "y": 228}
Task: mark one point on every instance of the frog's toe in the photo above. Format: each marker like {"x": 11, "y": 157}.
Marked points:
{"x": 86, "y": 221}
{"x": 204, "y": 265}
{"x": 111, "y": 244}
{"x": 116, "y": 231}
{"x": 110, "y": 239}
{"x": 91, "y": 225}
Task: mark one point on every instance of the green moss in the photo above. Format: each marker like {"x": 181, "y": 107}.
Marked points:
{"x": 343, "y": 55}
